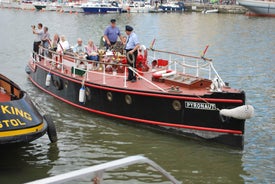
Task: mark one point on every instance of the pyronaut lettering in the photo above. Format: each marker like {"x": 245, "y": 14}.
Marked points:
{"x": 198, "y": 105}
{"x": 6, "y": 109}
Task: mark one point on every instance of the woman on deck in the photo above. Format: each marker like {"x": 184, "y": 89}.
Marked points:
{"x": 91, "y": 51}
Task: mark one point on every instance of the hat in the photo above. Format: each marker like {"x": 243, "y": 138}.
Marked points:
{"x": 113, "y": 20}
{"x": 129, "y": 28}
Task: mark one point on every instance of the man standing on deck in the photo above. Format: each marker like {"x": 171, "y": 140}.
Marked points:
{"x": 132, "y": 46}
{"x": 46, "y": 41}
{"x": 38, "y": 38}
{"x": 111, "y": 34}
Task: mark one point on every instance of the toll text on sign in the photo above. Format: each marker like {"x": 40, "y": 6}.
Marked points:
{"x": 6, "y": 109}
{"x": 13, "y": 122}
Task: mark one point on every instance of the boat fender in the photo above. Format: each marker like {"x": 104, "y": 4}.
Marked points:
{"x": 48, "y": 79}
{"x": 82, "y": 94}
{"x": 51, "y": 130}
{"x": 242, "y": 112}
{"x": 28, "y": 70}
{"x": 58, "y": 83}
{"x": 163, "y": 73}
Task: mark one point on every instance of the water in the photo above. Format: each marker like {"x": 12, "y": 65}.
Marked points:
{"x": 243, "y": 53}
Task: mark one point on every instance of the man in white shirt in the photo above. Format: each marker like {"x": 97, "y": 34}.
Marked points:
{"x": 132, "y": 46}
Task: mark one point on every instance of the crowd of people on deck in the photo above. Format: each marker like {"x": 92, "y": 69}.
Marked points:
{"x": 60, "y": 44}
{"x": 128, "y": 44}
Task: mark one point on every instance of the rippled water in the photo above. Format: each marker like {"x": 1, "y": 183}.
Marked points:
{"x": 243, "y": 53}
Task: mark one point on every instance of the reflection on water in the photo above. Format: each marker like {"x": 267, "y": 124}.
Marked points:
{"x": 242, "y": 51}
{"x": 26, "y": 162}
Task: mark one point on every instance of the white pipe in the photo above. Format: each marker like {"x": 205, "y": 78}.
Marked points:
{"x": 104, "y": 167}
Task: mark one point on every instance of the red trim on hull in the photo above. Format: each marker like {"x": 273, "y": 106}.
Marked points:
{"x": 147, "y": 94}
{"x": 142, "y": 120}
{"x": 252, "y": 14}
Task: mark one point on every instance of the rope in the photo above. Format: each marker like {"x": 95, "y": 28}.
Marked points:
{"x": 146, "y": 79}
{"x": 205, "y": 100}
{"x": 129, "y": 58}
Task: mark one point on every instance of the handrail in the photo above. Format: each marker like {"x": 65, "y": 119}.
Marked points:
{"x": 201, "y": 64}
{"x": 103, "y": 64}
{"x": 101, "y": 168}
{"x": 198, "y": 67}
{"x": 183, "y": 55}
{"x": 146, "y": 79}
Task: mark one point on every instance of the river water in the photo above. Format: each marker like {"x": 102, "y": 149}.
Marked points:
{"x": 243, "y": 51}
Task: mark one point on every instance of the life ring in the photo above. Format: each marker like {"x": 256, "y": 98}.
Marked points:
{"x": 163, "y": 73}
{"x": 130, "y": 57}
{"x": 143, "y": 51}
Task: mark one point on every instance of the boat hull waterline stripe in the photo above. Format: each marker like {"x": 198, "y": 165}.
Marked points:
{"x": 22, "y": 131}
{"x": 142, "y": 120}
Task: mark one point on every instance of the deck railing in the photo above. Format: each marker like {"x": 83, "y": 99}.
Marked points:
{"x": 202, "y": 67}
{"x": 96, "y": 172}
{"x": 199, "y": 63}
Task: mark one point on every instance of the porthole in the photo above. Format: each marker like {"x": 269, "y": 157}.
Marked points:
{"x": 176, "y": 105}
{"x": 109, "y": 96}
{"x": 66, "y": 83}
{"x": 128, "y": 99}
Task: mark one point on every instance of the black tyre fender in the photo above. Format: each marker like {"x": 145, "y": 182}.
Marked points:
{"x": 51, "y": 130}
{"x": 58, "y": 83}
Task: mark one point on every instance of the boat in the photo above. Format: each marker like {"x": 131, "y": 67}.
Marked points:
{"x": 101, "y": 7}
{"x": 53, "y": 6}
{"x": 20, "y": 120}
{"x": 177, "y": 6}
{"x": 210, "y": 11}
{"x": 176, "y": 93}
{"x": 259, "y": 8}
{"x": 138, "y": 6}
{"x": 96, "y": 172}
{"x": 47, "y": 6}
{"x": 39, "y": 5}
{"x": 70, "y": 7}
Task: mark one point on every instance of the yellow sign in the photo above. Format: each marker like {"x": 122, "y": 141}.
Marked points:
{"x": 6, "y": 109}
{"x": 11, "y": 123}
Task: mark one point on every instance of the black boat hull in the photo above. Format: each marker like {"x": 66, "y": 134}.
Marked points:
{"x": 183, "y": 114}
{"x": 20, "y": 120}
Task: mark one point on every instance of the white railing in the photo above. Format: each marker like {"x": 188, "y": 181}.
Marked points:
{"x": 97, "y": 171}
{"x": 56, "y": 60}
{"x": 198, "y": 63}
{"x": 180, "y": 62}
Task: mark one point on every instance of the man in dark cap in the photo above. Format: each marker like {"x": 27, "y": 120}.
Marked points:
{"x": 111, "y": 34}
{"x": 132, "y": 46}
